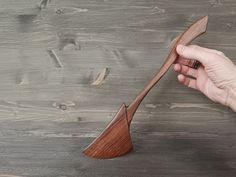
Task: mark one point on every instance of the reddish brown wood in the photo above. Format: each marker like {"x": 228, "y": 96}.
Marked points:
{"x": 115, "y": 140}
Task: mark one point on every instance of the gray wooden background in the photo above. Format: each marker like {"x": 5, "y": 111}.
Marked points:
{"x": 53, "y": 104}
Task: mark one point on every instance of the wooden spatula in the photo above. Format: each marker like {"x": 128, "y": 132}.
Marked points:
{"x": 115, "y": 140}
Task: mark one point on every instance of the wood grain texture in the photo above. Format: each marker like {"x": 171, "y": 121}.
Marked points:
{"x": 115, "y": 140}
{"x": 48, "y": 114}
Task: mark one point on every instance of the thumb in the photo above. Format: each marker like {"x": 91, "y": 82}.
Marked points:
{"x": 196, "y": 52}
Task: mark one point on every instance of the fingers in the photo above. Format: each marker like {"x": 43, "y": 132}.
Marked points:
{"x": 186, "y": 71}
{"x": 194, "y": 63}
{"x": 188, "y": 62}
{"x": 182, "y": 69}
{"x": 189, "y": 82}
{"x": 184, "y": 61}
{"x": 197, "y": 53}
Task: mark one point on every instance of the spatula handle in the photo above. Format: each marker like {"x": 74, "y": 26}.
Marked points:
{"x": 191, "y": 33}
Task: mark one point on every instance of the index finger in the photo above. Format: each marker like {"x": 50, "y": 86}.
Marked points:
{"x": 196, "y": 53}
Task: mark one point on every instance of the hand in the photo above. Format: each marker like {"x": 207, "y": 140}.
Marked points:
{"x": 216, "y": 77}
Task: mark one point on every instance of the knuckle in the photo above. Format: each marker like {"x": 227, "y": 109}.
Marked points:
{"x": 215, "y": 55}
{"x": 220, "y": 53}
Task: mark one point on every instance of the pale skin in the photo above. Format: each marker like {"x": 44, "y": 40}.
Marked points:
{"x": 215, "y": 78}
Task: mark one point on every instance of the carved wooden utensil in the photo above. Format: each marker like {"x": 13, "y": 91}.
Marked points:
{"x": 115, "y": 140}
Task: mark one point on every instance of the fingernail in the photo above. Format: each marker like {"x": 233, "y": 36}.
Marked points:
{"x": 176, "y": 67}
{"x": 180, "y": 77}
{"x": 180, "y": 48}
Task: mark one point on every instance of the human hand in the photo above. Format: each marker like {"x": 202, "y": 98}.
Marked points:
{"x": 216, "y": 77}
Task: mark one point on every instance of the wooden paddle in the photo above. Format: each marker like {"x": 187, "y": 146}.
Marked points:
{"x": 115, "y": 140}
